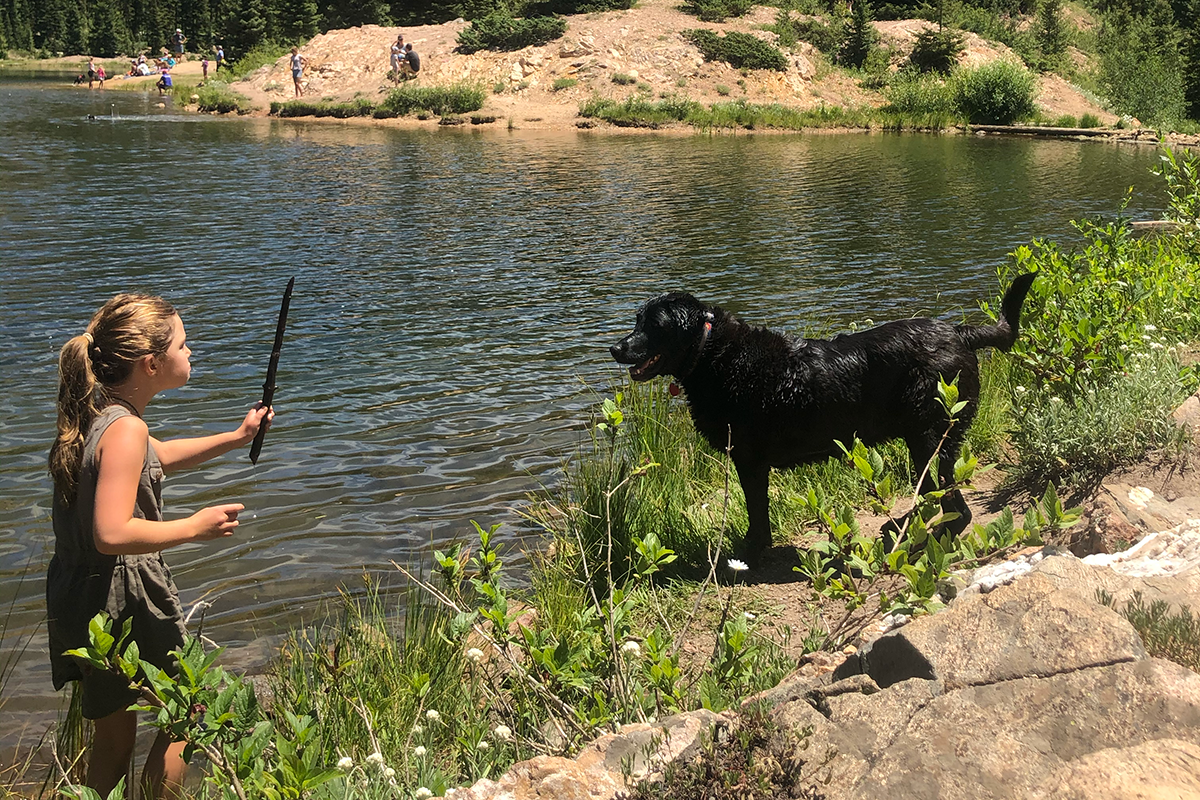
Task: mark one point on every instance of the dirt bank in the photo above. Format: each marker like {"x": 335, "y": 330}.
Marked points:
{"x": 644, "y": 42}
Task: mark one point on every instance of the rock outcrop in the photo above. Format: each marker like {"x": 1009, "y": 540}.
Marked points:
{"x": 1034, "y": 689}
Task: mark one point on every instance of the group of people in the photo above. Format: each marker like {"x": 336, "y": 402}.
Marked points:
{"x": 404, "y": 62}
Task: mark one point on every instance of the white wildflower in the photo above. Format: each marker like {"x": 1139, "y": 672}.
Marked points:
{"x": 1124, "y": 348}
{"x": 1147, "y": 337}
{"x": 474, "y": 655}
{"x": 345, "y": 763}
{"x": 503, "y": 732}
{"x": 1021, "y": 390}
{"x": 422, "y": 794}
{"x": 1149, "y": 328}
{"x": 631, "y": 648}
{"x": 1055, "y": 400}
{"x": 738, "y": 566}
{"x": 1156, "y": 346}
{"x": 375, "y": 758}
{"x": 417, "y": 730}
{"x": 749, "y": 615}
{"x": 432, "y": 715}
{"x": 389, "y": 773}
{"x": 419, "y": 750}
{"x": 483, "y": 744}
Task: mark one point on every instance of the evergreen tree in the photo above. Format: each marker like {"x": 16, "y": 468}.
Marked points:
{"x": 49, "y": 25}
{"x": 109, "y": 33}
{"x": 76, "y": 29}
{"x": 1051, "y": 36}
{"x": 350, "y": 13}
{"x": 299, "y": 20}
{"x": 198, "y": 24}
{"x": 861, "y": 36}
{"x": 1141, "y": 66}
{"x": 245, "y": 28}
{"x": 18, "y": 18}
{"x": 1189, "y": 21}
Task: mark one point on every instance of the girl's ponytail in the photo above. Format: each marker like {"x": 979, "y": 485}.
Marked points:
{"x": 128, "y": 327}
{"x": 78, "y": 405}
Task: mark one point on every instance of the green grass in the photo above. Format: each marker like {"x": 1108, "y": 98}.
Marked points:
{"x": 642, "y": 112}
{"x": 216, "y": 96}
{"x": 307, "y": 108}
{"x": 459, "y": 98}
{"x": 564, "y": 83}
{"x": 1173, "y": 636}
{"x": 259, "y": 56}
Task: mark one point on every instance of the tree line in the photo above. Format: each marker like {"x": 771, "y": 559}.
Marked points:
{"x": 111, "y": 28}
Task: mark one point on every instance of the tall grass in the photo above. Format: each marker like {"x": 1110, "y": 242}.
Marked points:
{"x": 458, "y": 98}
{"x": 642, "y": 112}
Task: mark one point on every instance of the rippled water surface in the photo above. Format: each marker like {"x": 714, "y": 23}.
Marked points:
{"x": 455, "y": 295}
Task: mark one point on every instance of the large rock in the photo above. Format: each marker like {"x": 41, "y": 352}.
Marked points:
{"x": 1180, "y": 589}
{"x": 1164, "y": 769}
{"x": 1028, "y": 628}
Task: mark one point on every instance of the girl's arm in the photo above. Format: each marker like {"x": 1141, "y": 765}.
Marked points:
{"x": 122, "y": 455}
{"x": 177, "y": 454}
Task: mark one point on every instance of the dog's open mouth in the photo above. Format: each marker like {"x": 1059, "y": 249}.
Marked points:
{"x": 645, "y": 370}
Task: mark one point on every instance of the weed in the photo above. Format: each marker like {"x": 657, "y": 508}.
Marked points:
{"x": 1089, "y": 121}
{"x": 460, "y": 98}
{"x": 722, "y": 90}
{"x": 564, "y": 83}
{"x": 1175, "y": 637}
{"x": 621, "y": 79}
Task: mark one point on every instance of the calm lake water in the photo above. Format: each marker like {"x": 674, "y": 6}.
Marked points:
{"x": 456, "y": 292}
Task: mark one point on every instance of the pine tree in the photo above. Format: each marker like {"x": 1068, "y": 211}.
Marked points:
{"x": 299, "y": 20}
{"x": 245, "y": 27}
{"x": 1051, "y": 36}
{"x": 350, "y": 13}
{"x": 109, "y": 33}
{"x": 20, "y": 25}
{"x": 861, "y": 36}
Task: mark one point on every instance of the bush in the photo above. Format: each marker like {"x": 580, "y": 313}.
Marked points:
{"x": 737, "y": 49}
{"x": 718, "y": 10}
{"x": 1089, "y": 121}
{"x": 217, "y": 96}
{"x": 564, "y": 83}
{"x": 499, "y": 30}
{"x": 259, "y": 56}
{"x": 460, "y": 98}
{"x": 1065, "y": 121}
{"x": 937, "y": 51}
{"x": 621, "y": 79}
{"x": 997, "y": 93}
{"x": 826, "y": 37}
{"x": 1142, "y": 72}
{"x": 916, "y": 93}
{"x": 307, "y": 108}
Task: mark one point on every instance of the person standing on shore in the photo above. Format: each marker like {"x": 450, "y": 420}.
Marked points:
{"x": 91, "y": 71}
{"x": 109, "y": 529}
{"x": 220, "y": 59}
{"x": 397, "y": 55}
{"x": 297, "y": 71}
{"x": 177, "y": 40}
{"x": 204, "y": 68}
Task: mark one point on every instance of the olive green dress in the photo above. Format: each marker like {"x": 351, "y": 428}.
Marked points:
{"x": 83, "y": 582}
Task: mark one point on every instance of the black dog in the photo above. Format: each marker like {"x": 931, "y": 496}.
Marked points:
{"x": 783, "y": 401}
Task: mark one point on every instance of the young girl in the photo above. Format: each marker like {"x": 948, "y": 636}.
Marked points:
{"x": 108, "y": 522}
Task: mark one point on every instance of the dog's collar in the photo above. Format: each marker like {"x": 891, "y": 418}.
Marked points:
{"x": 708, "y": 323}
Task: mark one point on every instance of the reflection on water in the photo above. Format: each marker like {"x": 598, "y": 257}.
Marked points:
{"x": 455, "y": 295}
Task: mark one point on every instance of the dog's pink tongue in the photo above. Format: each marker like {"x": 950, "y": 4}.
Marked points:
{"x": 673, "y": 389}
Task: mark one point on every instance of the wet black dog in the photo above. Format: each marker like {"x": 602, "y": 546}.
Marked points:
{"x": 783, "y": 401}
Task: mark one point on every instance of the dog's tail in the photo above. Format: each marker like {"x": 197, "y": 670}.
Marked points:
{"x": 1003, "y": 334}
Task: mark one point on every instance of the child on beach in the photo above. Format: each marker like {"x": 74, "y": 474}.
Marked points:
{"x": 109, "y": 528}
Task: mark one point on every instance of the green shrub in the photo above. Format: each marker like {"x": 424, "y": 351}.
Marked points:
{"x": 825, "y": 36}
{"x": 564, "y": 83}
{"x": 1141, "y": 70}
{"x": 460, "y": 98}
{"x": 307, "y": 108}
{"x": 259, "y": 56}
{"x": 483, "y": 119}
{"x": 861, "y": 37}
{"x": 937, "y": 51}
{"x": 1065, "y": 121}
{"x": 718, "y": 10}
{"x": 999, "y": 93}
{"x": 1089, "y": 121}
{"x": 722, "y": 90}
{"x": 737, "y": 49}
{"x": 217, "y": 96}
{"x": 916, "y": 93}
{"x": 1175, "y": 637}
{"x": 621, "y": 79}
{"x": 499, "y": 30}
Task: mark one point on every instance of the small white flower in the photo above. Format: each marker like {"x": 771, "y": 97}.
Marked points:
{"x": 1055, "y": 400}
{"x": 503, "y": 732}
{"x": 422, "y": 794}
{"x": 474, "y": 655}
{"x": 375, "y": 758}
{"x": 364, "y": 783}
{"x": 631, "y": 648}
{"x": 1124, "y": 348}
{"x": 1146, "y": 337}
{"x": 1155, "y": 346}
{"x": 419, "y": 750}
{"x": 483, "y": 744}
{"x": 1149, "y": 328}
{"x": 432, "y": 715}
{"x": 1021, "y": 390}
{"x": 749, "y": 615}
{"x": 389, "y": 773}
{"x": 345, "y": 763}
{"x": 738, "y": 566}
{"x": 417, "y": 730}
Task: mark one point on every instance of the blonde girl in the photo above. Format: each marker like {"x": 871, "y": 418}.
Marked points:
{"x": 109, "y": 528}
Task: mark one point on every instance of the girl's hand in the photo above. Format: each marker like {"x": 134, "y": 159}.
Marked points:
{"x": 255, "y": 418}
{"x": 216, "y": 522}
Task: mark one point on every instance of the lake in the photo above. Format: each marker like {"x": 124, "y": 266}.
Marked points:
{"x": 456, "y": 292}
